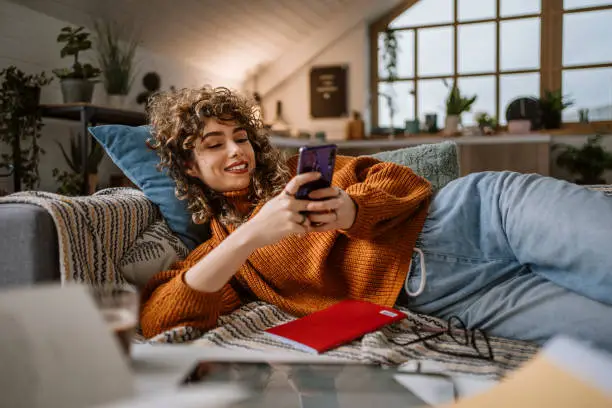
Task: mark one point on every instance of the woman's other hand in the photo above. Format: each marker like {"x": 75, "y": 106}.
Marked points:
{"x": 283, "y": 215}
{"x": 337, "y": 211}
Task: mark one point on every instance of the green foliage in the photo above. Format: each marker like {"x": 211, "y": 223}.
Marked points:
{"x": 390, "y": 54}
{"x": 69, "y": 183}
{"x": 456, "y": 103}
{"x": 76, "y": 40}
{"x": 589, "y": 161}
{"x": 485, "y": 120}
{"x": 21, "y": 123}
{"x": 554, "y": 101}
{"x": 115, "y": 58}
{"x": 74, "y": 159}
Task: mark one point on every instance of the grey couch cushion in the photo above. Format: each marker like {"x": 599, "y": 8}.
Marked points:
{"x": 29, "y": 245}
{"x": 437, "y": 162}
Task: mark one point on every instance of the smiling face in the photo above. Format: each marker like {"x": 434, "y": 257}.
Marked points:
{"x": 223, "y": 157}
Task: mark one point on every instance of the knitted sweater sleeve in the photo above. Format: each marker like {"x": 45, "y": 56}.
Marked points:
{"x": 168, "y": 302}
{"x": 386, "y": 194}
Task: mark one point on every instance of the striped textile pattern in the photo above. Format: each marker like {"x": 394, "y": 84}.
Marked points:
{"x": 96, "y": 232}
{"x": 244, "y": 329}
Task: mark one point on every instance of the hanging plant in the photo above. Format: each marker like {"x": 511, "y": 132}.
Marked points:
{"x": 390, "y": 54}
{"x": 21, "y": 124}
{"x": 390, "y": 65}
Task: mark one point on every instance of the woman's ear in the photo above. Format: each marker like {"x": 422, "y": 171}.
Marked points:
{"x": 191, "y": 170}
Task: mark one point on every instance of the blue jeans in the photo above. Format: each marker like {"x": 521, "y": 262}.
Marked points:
{"x": 519, "y": 256}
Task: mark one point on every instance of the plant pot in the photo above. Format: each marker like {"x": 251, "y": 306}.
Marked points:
{"x": 451, "y": 125}
{"x": 412, "y": 127}
{"x": 551, "y": 119}
{"x": 519, "y": 126}
{"x": 116, "y": 101}
{"x": 77, "y": 90}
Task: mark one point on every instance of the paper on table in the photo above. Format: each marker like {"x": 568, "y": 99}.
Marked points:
{"x": 565, "y": 374}
{"x": 57, "y": 351}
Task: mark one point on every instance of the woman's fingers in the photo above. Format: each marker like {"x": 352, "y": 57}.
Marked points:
{"x": 323, "y": 206}
{"x": 324, "y": 193}
{"x": 298, "y": 181}
{"x": 323, "y": 218}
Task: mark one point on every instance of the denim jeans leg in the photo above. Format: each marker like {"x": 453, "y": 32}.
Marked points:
{"x": 562, "y": 231}
{"x": 487, "y": 229}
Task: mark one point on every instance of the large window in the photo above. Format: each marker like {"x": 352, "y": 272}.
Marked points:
{"x": 492, "y": 49}
{"x": 587, "y": 58}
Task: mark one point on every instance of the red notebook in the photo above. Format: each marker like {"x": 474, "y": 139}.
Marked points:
{"x": 338, "y": 324}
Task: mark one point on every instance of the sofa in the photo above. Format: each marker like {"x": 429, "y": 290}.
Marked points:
{"x": 30, "y": 247}
{"x": 28, "y": 244}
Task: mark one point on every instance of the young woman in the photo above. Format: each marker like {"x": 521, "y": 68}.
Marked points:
{"x": 519, "y": 256}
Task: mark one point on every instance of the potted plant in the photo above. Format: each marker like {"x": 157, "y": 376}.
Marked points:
{"x": 116, "y": 61}
{"x": 589, "y": 161}
{"x": 552, "y": 105}
{"x": 486, "y": 123}
{"x": 456, "y": 104}
{"x": 70, "y": 182}
{"x": 21, "y": 124}
{"x": 76, "y": 82}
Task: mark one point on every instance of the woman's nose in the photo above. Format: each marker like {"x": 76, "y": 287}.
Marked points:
{"x": 234, "y": 149}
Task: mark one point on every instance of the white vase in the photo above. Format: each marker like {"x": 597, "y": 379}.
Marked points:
{"x": 451, "y": 125}
{"x": 116, "y": 101}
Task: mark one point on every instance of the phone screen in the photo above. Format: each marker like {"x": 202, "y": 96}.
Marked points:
{"x": 321, "y": 159}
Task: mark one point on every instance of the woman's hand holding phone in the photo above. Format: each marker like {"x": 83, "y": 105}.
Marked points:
{"x": 337, "y": 210}
{"x": 283, "y": 215}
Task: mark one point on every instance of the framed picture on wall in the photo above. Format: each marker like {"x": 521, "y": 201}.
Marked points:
{"x": 329, "y": 91}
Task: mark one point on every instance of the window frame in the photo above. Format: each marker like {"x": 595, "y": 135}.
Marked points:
{"x": 551, "y": 52}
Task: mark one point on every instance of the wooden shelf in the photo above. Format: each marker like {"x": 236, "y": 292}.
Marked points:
{"x": 96, "y": 114}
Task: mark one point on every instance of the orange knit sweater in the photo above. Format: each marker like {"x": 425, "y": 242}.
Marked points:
{"x": 304, "y": 274}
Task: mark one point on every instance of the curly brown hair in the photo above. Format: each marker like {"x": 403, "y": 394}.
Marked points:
{"x": 177, "y": 120}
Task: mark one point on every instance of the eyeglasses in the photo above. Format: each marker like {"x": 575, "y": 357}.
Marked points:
{"x": 476, "y": 341}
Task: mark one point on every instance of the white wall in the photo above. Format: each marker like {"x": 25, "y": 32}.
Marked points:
{"x": 27, "y": 40}
{"x": 351, "y": 50}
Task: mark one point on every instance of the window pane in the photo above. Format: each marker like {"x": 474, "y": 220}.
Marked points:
{"x": 590, "y": 89}
{"x": 432, "y": 98}
{"x": 426, "y": 12}
{"x": 519, "y": 7}
{"x": 403, "y": 103}
{"x": 436, "y": 51}
{"x": 476, "y": 9}
{"x": 586, "y": 37}
{"x": 405, "y": 54}
{"x": 514, "y": 86}
{"x": 520, "y": 44}
{"x": 484, "y": 89}
{"x": 573, "y": 4}
{"x": 477, "y": 48}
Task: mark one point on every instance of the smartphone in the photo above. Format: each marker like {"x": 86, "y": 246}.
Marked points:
{"x": 321, "y": 159}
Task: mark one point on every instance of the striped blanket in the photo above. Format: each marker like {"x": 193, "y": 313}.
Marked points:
{"x": 106, "y": 236}
{"x": 101, "y": 235}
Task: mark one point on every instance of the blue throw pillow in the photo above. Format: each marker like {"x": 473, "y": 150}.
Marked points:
{"x": 126, "y": 146}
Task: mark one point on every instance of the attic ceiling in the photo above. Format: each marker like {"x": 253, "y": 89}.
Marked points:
{"x": 227, "y": 38}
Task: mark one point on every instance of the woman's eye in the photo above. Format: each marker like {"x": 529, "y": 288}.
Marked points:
{"x": 244, "y": 140}
{"x": 214, "y": 146}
